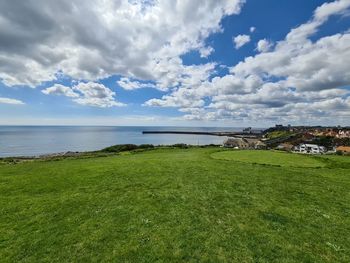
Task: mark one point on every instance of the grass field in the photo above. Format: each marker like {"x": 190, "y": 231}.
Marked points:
{"x": 270, "y": 158}
{"x": 177, "y": 205}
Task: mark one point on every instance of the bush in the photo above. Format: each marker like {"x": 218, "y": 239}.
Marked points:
{"x": 339, "y": 153}
{"x": 209, "y": 145}
{"x": 120, "y": 148}
{"x": 342, "y": 141}
{"x": 181, "y": 145}
{"x": 146, "y": 146}
{"x": 326, "y": 141}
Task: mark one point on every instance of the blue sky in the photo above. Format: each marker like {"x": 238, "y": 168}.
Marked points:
{"x": 188, "y": 63}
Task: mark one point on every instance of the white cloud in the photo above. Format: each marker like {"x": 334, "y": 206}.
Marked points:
{"x": 206, "y": 51}
{"x": 321, "y": 15}
{"x": 143, "y": 41}
{"x": 297, "y": 81}
{"x": 90, "y": 40}
{"x": 307, "y": 66}
{"x": 252, "y": 29}
{"x": 264, "y": 45}
{"x": 95, "y": 94}
{"x": 183, "y": 97}
{"x": 59, "y": 89}
{"x": 241, "y": 40}
{"x": 89, "y": 94}
{"x": 328, "y": 9}
{"x": 11, "y": 101}
{"x": 128, "y": 84}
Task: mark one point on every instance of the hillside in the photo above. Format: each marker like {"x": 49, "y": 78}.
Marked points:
{"x": 173, "y": 205}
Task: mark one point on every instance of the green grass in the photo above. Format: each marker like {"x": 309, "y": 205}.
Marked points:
{"x": 175, "y": 205}
{"x": 270, "y": 158}
{"x": 277, "y": 134}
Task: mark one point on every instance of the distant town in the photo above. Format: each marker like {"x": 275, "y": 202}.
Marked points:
{"x": 297, "y": 139}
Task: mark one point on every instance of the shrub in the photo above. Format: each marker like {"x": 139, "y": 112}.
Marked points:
{"x": 146, "y": 146}
{"x": 180, "y": 145}
{"x": 326, "y": 141}
{"x": 120, "y": 148}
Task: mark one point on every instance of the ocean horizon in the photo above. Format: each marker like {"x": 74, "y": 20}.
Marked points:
{"x": 40, "y": 140}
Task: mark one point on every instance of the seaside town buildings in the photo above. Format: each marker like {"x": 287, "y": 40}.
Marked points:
{"x": 244, "y": 143}
{"x": 309, "y": 149}
{"x": 343, "y": 149}
{"x": 297, "y": 139}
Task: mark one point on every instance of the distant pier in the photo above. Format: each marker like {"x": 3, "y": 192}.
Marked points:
{"x": 227, "y": 134}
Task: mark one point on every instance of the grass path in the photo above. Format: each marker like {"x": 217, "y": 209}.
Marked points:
{"x": 173, "y": 205}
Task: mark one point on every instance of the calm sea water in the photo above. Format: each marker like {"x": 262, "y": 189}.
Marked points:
{"x": 37, "y": 140}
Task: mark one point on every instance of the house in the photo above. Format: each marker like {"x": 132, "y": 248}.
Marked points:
{"x": 343, "y": 134}
{"x": 238, "y": 143}
{"x": 343, "y": 149}
{"x": 285, "y": 147}
{"x": 247, "y": 130}
{"x": 331, "y": 133}
{"x": 260, "y": 145}
{"x": 308, "y": 137}
{"x": 244, "y": 143}
{"x": 309, "y": 149}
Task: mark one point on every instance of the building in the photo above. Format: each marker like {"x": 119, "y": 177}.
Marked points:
{"x": 260, "y": 146}
{"x": 244, "y": 143}
{"x": 238, "y": 143}
{"x": 343, "y": 149}
{"x": 247, "y": 130}
{"x": 285, "y": 147}
{"x": 307, "y": 137}
{"x": 310, "y": 149}
{"x": 343, "y": 134}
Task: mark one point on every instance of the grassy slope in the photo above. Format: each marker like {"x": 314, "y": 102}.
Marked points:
{"x": 173, "y": 205}
{"x": 276, "y": 134}
{"x": 271, "y": 158}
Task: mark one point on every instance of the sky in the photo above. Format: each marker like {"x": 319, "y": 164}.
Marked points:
{"x": 175, "y": 62}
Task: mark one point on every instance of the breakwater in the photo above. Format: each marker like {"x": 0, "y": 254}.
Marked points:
{"x": 226, "y": 134}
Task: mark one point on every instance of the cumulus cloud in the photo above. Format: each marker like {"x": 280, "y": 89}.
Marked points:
{"x": 143, "y": 42}
{"x": 264, "y": 45}
{"x": 128, "y": 84}
{"x": 206, "y": 51}
{"x": 252, "y": 29}
{"x": 183, "y": 97}
{"x": 90, "y": 40}
{"x": 59, "y": 89}
{"x": 301, "y": 63}
{"x": 11, "y": 101}
{"x": 89, "y": 94}
{"x": 241, "y": 40}
{"x": 296, "y": 80}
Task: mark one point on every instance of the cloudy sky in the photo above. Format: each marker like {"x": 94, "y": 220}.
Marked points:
{"x": 175, "y": 62}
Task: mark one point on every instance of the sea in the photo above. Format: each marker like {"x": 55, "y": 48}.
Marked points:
{"x": 40, "y": 140}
